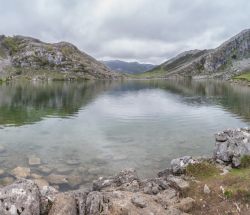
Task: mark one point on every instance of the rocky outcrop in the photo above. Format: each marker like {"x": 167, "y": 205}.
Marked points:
{"x": 124, "y": 193}
{"x": 229, "y": 59}
{"x": 28, "y": 57}
{"x": 232, "y": 145}
{"x": 22, "y": 197}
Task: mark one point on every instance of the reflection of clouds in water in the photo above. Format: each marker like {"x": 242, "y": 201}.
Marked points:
{"x": 141, "y": 103}
{"x": 151, "y": 103}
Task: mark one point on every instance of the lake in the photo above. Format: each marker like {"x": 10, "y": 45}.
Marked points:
{"x": 89, "y": 129}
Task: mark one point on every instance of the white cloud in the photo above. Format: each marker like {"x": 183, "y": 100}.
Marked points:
{"x": 146, "y": 30}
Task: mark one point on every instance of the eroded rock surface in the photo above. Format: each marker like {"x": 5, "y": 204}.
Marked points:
{"x": 22, "y": 197}
{"x": 231, "y": 145}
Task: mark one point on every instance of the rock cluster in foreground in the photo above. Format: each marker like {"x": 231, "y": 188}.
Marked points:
{"x": 125, "y": 193}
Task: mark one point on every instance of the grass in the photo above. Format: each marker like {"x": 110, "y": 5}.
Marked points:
{"x": 202, "y": 170}
{"x": 245, "y": 161}
{"x": 244, "y": 77}
{"x": 11, "y": 44}
{"x": 236, "y": 185}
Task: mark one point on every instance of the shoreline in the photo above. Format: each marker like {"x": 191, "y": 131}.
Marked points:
{"x": 172, "y": 191}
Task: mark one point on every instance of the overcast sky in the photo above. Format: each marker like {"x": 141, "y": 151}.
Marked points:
{"x": 142, "y": 30}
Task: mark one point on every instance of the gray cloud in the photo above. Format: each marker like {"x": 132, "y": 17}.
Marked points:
{"x": 144, "y": 30}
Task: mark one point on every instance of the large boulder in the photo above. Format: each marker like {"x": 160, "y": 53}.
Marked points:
{"x": 21, "y": 197}
{"x": 231, "y": 145}
{"x": 178, "y": 165}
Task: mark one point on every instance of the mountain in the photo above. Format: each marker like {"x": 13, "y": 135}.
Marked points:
{"x": 128, "y": 67}
{"x": 226, "y": 61}
{"x": 31, "y": 58}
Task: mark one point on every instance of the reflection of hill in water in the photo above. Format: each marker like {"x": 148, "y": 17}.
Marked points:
{"x": 22, "y": 103}
{"x": 233, "y": 98}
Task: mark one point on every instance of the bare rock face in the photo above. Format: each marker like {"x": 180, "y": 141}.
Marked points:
{"x": 179, "y": 165}
{"x": 22, "y": 197}
{"x": 63, "y": 205}
{"x": 231, "y": 145}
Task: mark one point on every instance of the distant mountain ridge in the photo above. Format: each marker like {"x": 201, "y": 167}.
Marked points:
{"x": 226, "y": 61}
{"x": 31, "y": 58}
{"x": 128, "y": 67}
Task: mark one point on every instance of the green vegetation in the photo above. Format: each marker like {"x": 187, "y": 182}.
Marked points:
{"x": 228, "y": 194}
{"x": 2, "y": 53}
{"x": 202, "y": 170}
{"x": 245, "y": 161}
{"x": 66, "y": 50}
{"x": 245, "y": 76}
{"x": 11, "y": 44}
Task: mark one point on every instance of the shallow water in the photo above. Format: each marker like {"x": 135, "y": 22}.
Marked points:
{"x": 103, "y": 127}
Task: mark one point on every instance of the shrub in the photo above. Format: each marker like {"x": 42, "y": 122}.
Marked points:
{"x": 201, "y": 170}
{"x": 11, "y": 44}
{"x": 228, "y": 194}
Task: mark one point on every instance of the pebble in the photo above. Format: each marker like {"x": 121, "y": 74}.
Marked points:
{"x": 206, "y": 189}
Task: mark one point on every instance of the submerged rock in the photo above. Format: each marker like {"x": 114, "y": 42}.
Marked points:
{"x": 22, "y": 197}
{"x": 34, "y": 161}
{"x": 21, "y": 172}
{"x": 2, "y": 172}
{"x": 231, "y": 145}
{"x": 2, "y": 149}
{"x": 6, "y": 181}
{"x": 45, "y": 169}
{"x": 56, "y": 179}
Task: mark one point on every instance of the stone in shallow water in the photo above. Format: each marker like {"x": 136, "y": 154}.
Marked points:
{"x": 74, "y": 180}
{"x": 2, "y": 149}
{"x": 64, "y": 169}
{"x": 41, "y": 183}
{"x": 2, "y": 172}
{"x": 21, "y": 172}
{"x": 72, "y": 162}
{"x": 6, "y": 181}
{"x": 56, "y": 179}
{"x": 34, "y": 161}
{"x": 45, "y": 169}
{"x": 35, "y": 176}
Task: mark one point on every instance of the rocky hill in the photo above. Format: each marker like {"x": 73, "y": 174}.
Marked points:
{"x": 33, "y": 59}
{"x": 128, "y": 67}
{"x": 228, "y": 60}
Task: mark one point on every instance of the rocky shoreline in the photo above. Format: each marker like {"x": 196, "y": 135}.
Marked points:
{"x": 126, "y": 193}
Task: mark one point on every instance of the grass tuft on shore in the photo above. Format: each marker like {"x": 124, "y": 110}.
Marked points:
{"x": 202, "y": 170}
{"x": 244, "y": 77}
